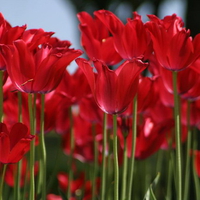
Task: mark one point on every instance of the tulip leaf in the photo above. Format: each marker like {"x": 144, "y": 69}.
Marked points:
{"x": 150, "y": 194}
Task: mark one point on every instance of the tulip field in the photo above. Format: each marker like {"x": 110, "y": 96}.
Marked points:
{"x": 123, "y": 126}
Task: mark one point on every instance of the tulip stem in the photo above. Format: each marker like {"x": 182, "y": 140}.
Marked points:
{"x": 103, "y": 181}
{"x": 32, "y": 149}
{"x": 132, "y": 160}
{"x": 195, "y": 176}
{"x": 1, "y": 95}
{"x": 17, "y": 181}
{"x": 115, "y": 155}
{"x": 42, "y": 154}
{"x": 19, "y": 164}
{"x": 178, "y": 138}
{"x": 2, "y": 181}
{"x": 187, "y": 168}
{"x": 71, "y": 153}
{"x": 109, "y": 173}
{"x": 124, "y": 172}
{"x": 95, "y": 162}
{"x": 19, "y": 106}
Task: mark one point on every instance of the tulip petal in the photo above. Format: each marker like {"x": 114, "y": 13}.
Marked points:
{"x": 4, "y": 147}
{"x": 17, "y": 132}
{"x": 18, "y": 151}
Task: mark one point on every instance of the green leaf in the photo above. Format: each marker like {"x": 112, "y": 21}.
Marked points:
{"x": 149, "y": 194}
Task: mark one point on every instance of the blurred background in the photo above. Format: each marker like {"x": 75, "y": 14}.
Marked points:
{"x": 60, "y": 15}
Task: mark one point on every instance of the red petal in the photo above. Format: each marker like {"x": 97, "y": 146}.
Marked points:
{"x": 17, "y": 132}
{"x": 20, "y": 149}
{"x": 4, "y": 147}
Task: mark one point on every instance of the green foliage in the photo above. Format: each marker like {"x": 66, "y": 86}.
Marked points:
{"x": 150, "y": 194}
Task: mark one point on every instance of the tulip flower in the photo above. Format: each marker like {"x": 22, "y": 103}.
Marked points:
{"x": 11, "y": 171}
{"x": 131, "y": 40}
{"x": 35, "y": 37}
{"x": 150, "y": 137}
{"x": 96, "y": 40}
{"x": 7, "y": 35}
{"x": 15, "y": 143}
{"x": 73, "y": 86}
{"x": 83, "y": 137}
{"x": 113, "y": 90}
{"x": 39, "y": 72}
{"x": 194, "y": 113}
{"x": 147, "y": 96}
{"x": 90, "y": 111}
{"x": 79, "y": 187}
{"x": 54, "y": 197}
{"x": 174, "y": 48}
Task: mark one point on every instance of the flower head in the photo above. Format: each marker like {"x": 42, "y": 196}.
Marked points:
{"x": 113, "y": 90}
{"x": 15, "y": 143}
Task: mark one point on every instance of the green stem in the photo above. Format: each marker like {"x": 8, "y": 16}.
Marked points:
{"x": 95, "y": 162}
{"x": 178, "y": 138}
{"x": 1, "y": 95}
{"x": 71, "y": 153}
{"x": 2, "y": 181}
{"x": 159, "y": 161}
{"x": 26, "y": 181}
{"x": 19, "y": 106}
{"x": 187, "y": 168}
{"x": 115, "y": 155}
{"x": 196, "y": 183}
{"x": 17, "y": 181}
{"x": 124, "y": 172}
{"x": 19, "y": 164}
{"x": 196, "y": 178}
{"x": 103, "y": 179}
{"x": 132, "y": 160}
{"x": 170, "y": 174}
{"x": 32, "y": 149}
{"x": 109, "y": 174}
{"x": 42, "y": 154}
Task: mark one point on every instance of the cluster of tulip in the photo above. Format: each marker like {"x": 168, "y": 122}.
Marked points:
{"x": 136, "y": 94}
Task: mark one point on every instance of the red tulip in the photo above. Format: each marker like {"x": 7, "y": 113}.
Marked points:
{"x": 146, "y": 96}
{"x": 51, "y": 104}
{"x": 10, "y": 105}
{"x": 11, "y": 171}
{"x": 164, "y": 96}
{"x": 84, "y": 140}
{"x": 55, "y": 197}
{"x": 113, "y": 90}
{"x": 35, "y": 37}
{"x": 90, "y": 111}
{"x": 159, "y": 112}
{"x": 15, "y": 143}
{"x": 40, "y": 71}
{"x": 130, "y": 40}
{"x": 96, "y": 40}
{"x": 174, "y": 48}
{"x": 188, "y": 81}
{"x": 61, "y": 112}
{"x": 7, "y": 35}
{"x": 79, "y": 184}
{"x": 194, "y": 112}
{"x": 63, "y": 180}
{"x": 74, "y": 86}
{"x": 150, "y": 136}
